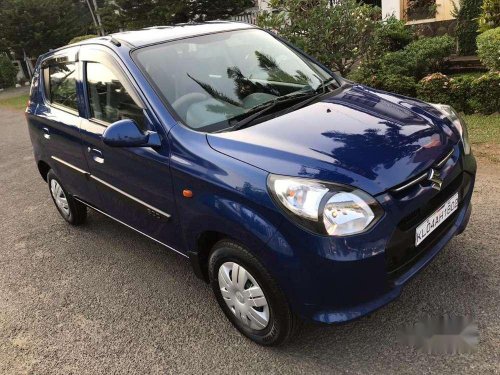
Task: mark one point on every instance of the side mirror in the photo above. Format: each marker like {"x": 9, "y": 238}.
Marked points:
{"x": 126, "y": 133}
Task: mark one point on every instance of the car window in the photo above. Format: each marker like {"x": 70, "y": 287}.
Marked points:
{"x": 109, "y": 100}
{"x": 62, "y": 84}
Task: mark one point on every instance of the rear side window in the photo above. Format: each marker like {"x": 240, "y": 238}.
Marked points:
{"x": 109, "y": 100}
{"x": 62, "y": 84}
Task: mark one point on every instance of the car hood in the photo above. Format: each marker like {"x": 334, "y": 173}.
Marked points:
{"x": 356, "y": 136}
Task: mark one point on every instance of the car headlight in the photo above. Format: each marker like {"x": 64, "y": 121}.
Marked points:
{"x": 325, "y": 208}
{"x": 457, "y": 122}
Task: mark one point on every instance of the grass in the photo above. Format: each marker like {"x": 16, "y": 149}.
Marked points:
{"x": 482, "y": 129}
{"x": 16, "y": 102}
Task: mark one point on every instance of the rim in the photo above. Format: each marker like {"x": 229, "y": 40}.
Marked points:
{"x": 59, "y": 197}
{"x": 243, "y": 295}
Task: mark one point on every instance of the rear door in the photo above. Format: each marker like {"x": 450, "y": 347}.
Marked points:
{"x": 58, "y": 121}
{"x": 134, "y": 182}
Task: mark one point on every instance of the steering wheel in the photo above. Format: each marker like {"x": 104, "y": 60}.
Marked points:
{"x": 182, "y": 104}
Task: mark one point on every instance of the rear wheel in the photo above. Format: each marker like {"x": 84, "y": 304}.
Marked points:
{"x": 249, "y": 296}
{"x": 70, "y": 209}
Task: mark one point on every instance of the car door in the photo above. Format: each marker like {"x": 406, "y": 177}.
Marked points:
{"x": 134, "y": 182}
{"x": 57, "y": 118}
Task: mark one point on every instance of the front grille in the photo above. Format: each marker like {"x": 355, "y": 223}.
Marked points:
{"x": 417, "y": 216}
{"x": 411, "y": 183}
{"x": 401, "y": 253}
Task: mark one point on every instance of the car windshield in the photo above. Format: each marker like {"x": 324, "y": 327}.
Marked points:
{"x": 212, "y": 79}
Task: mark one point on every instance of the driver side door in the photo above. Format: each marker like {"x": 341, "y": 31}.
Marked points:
{"x": 134, "y": 182}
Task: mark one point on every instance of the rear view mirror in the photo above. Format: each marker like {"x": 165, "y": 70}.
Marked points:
{"x": 126, "y": 133}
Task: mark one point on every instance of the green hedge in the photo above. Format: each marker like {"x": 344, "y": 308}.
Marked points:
{"x": 435, "y": 88}
{"x": 399, "y": 71}
{"x": 466, "y": 94}
{"x": 488, "y": 45}
{"x": 421, "y": 57}
{"x": 486, "y": 93}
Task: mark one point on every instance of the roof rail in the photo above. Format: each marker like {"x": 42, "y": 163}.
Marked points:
{"x": 157, "y": 27}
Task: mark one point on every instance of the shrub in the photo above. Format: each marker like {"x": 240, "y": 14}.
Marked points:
{"x": 393, "y": 35}
{"x": 419, "y": 58}
{"x": 486, "y": 93}
{"x": 490, "y": 15}
{"x": 398, "y": 84}
{"x": 402, "y": 85}
{"x": 77, "y": 39}
{"x": 8, "y": 72}
{"x": 461, "y": 92}
{"x": 363, "y": 75}
{"x": 435, "y": 88}
{"x": 398, "y": 71}
{"x": 488, "y": 44}
{"x": 467, "y": 14}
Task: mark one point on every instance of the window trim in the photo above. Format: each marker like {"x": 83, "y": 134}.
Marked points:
{"x": 87, "y": 95}
{"x": 91, "y": 54}
{"x": 47, "y": 99}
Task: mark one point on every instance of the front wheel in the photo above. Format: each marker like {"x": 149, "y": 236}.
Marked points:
{"x": 248, "y": 295}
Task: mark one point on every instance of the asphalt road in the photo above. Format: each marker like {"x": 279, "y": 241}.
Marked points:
{"x": 102, "y": 299}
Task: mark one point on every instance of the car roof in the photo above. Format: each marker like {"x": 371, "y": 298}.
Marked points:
{"x": 157, "y": 34}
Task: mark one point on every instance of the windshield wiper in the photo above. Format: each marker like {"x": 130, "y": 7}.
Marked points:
{"x": 323, "y": 84}
{"x": 320, "y": 90}
{"x": 260, "y": 110}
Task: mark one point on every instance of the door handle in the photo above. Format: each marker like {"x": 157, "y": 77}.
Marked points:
{"x": 96, "y": 155}
{"x": 46, "y": 133}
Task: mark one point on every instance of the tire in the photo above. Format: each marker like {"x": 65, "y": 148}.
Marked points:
{"x": 73, "y": 211}
{"x": 281, "y": 322}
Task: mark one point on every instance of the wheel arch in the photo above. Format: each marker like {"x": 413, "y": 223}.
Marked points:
{"x": 199, "y": 257}
{"x": 43, "y": 168}
{"x": 207, "y": 239}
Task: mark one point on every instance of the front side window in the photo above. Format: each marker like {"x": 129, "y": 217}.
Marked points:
{"x": 109, "y": 100}
{"x": 62, "y": 84}
{"x": 211, "y": 79}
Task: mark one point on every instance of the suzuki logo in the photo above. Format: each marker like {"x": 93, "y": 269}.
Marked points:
{"x": 435, "y": 178}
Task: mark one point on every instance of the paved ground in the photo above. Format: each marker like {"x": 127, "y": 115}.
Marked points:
{"x": 102, "y": 299}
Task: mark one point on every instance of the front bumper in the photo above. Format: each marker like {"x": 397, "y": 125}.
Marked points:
{"x": 337, "y": 280}
{"x": 353, "y": 312}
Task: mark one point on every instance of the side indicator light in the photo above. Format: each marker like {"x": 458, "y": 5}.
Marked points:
{"x": 186, "y": 193}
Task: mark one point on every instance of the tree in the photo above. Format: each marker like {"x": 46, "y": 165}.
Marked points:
{"x": 137, "y": 14}
{"x": 8, "y": 72}
{"x": 207, "y": 10}
{"x": 490, "y": 15}
{"x": 36, "y": 26}
{"x": 339, "y": 36}
{"x": 467, "y": 14}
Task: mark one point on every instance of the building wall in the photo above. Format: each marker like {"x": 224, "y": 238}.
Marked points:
{"x": 444, "y": 10}
{"x": 392, "y": 8}
{"x": 263, "y": 4}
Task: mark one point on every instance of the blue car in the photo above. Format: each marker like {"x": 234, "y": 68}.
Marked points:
{"x": 298, "y": 195}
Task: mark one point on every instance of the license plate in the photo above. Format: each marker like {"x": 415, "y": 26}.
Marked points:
{"x": 436, "y": 219}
